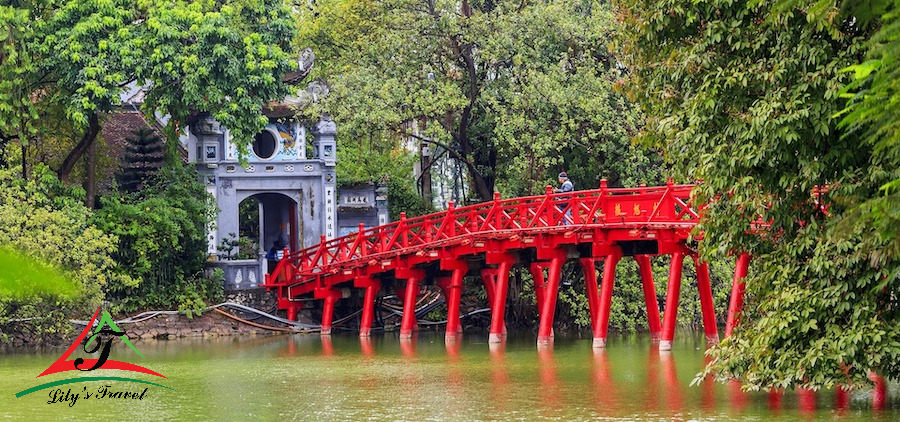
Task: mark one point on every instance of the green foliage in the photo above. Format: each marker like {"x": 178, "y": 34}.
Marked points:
{"x": 513, "y": 91}
{"x": 225, "y": 58}
{"x": 144, "y": 156}
{"x": 32, "y": 288}
{"x": 162, "y": 239}
{"x": 248, "y": 219}
{"x": 49, "y": 228}
{"x": 17, "y": 73}
{"x": 383, "y": 161}
{"x": 246, "y": 248}
{"x": 44, "y": 219}
{"x": 23, "y": 277}
{"x": 742, "y": 96}
{"x": 871, "y": 114}
{"x": 829, "y": 327}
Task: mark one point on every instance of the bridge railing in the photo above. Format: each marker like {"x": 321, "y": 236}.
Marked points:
{"x": 668, "y": 205}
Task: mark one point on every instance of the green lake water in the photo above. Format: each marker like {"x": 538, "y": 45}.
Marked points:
{"x": 305, "y": 377}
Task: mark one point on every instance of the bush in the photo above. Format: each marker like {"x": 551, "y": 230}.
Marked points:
{"x": 162, "y": 241}
{"x": 45, "y": 227}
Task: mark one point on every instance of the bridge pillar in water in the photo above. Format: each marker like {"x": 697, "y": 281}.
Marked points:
{"x": 489, "y": 277}
{"x": 452, "y": 289}
{"x": 672, "y": 293}
{"x": 537, "y": 274}
{"x": 285, "y": 302}
{"x": 545, "y": 329}
{"x": 646, "y": 270}
{"x": 592, "y": 292}
{"x": 879, "y": 394}
{"x": 737, "y": 293}
{"x": 413, "y": 278}
{"x": 540, "y": 285}
{"x": 372, "y": 286}
{"x": 331, "y": 297}
{"x": 504, "y": 262}
{"x": 601, "y": 324}
{"x": 707, "y": 309}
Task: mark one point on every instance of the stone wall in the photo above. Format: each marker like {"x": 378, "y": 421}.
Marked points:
{"x": 210, "y": 324}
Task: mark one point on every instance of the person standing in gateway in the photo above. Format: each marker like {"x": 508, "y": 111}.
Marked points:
{"x": 566, "y": 185}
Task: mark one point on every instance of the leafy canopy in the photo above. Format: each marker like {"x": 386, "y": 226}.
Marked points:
{"x": 742, "y": 95}
{"x": 512, "y": 91}
{"x": 221, "y": 57}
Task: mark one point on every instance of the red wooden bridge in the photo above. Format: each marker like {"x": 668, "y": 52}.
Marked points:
{"x": 539, "y": 233}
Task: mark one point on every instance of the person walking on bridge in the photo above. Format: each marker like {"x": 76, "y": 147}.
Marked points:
{"x": 565, "y": 185}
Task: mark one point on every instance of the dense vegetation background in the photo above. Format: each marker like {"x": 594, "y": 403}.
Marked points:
{"x": 787, "y": 111}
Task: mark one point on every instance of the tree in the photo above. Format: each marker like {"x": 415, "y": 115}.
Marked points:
{"x": 871, "y": 113}
{"x": 161, "y": 231}
{"x": 515, "y": 91}
{"x": 143, "y": 158}
{"x": 17, "y": 72}
{"x": 742, "y": 96}
{"x": 44, "y": 221}
{"x": 225, "y": 58}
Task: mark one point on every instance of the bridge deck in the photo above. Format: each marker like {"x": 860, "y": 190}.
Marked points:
{"x": 539, "y": 232}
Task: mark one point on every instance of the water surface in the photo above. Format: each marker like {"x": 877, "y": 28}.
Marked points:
{"x": 305, "y": 377}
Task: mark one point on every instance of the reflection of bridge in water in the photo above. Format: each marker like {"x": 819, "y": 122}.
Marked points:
{"x": 539, "y": 233}
{"x": 617, "y": 383}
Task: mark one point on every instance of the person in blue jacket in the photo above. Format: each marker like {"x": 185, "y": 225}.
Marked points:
{"x": 565, "y": 185}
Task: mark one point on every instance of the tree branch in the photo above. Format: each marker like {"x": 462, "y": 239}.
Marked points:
{"x": 90, "y": 135}
{"x": 449, "y": 149}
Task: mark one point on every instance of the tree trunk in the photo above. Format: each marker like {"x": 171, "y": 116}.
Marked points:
{"x": 24, "y": 161}
{"x": 90, "y": 164}
{"x": 425, "y": 157}
{"x": 90, "y": 135}
{"x": 482, "y": 187}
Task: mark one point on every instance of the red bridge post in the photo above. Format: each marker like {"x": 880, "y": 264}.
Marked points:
{"x": 537, "y": 274}
{"x": 453, "y": 295}
{"x": 707, "y": 308}
{"x": 489, "y": 279}
{"x": 292, "y": 308}
{"x": 331, "y": 296}
{"x": 879, "y": 394}
{"x": 592, "y": 292}
{"x": 545, "y": 329}
{"x": 501, "y": 286}
{"x": 372, "y": 286}
{"x": 609, "y": 277}
{"x": 737, "y": 293}
{"x": 672, "y": 293}
{"x": 413, "y": 278}
{"x": 646, "y": 269}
